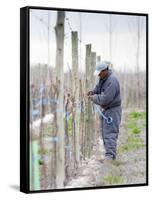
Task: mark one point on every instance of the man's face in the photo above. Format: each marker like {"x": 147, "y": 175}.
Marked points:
{"x": 103, "y": 74}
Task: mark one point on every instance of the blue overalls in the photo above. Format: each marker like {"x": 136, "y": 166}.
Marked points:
{"x": 107, "y": 95}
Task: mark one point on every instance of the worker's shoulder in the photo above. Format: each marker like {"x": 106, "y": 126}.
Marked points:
{"x": 113, "y": 80}
{"x": 113, "y": 77}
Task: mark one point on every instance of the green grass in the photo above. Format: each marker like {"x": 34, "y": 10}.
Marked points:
{"x": 41, "y": 162}
{"x": 133, "y": 119}
{"x": 131, "y": 146}
{"x": 70, "y": 122}
{"x": 133, "y": 125}
{"x": 48, "y": 130}
{"x": 133, "y": 143}
{"x": 44, "y": 151}
{"x": 136, "y": 140}
{"x": 136, "y": 130}
{"x": 113, "y": 179}
{"x": 137, "y": 115}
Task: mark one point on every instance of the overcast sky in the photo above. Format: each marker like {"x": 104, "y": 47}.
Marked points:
{"x": 92, "y": 28}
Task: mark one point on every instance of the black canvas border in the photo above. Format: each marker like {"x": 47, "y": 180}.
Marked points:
{"x": 24, "y": 100}
{"x": 25, "y": 96}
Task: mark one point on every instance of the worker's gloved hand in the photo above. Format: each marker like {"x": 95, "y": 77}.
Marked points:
{"x": 89, "y": 93}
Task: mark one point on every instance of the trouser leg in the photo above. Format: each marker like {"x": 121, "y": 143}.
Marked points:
{"x": 110, "y": 133}
{"x": 101, "y": 130}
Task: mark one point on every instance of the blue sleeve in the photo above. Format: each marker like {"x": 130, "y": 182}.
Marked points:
{"x": 95, "y": 90}
{"x": 107, "y": 96}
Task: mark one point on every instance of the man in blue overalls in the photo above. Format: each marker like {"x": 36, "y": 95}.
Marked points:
{"x": 106, "y": 94}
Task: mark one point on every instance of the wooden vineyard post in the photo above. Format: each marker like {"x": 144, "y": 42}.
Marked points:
{"x": 60, "y": 151}
{"x": 82, "y": 120}
{"x": 88, "y": 106}
{"x": 41, "y": 137}
{"x": 75, "y": 94}
{"x": 92, "y": 83}
{"x": 98, "y": 59}
{"x": 67, "y": 141}
{"x": 97, "y": 120}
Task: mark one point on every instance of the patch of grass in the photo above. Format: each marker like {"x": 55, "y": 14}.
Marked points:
{"x": 130, "y": 146}
{"x": 43, "y": 151}
{"x": 40, "y": 162}
{"x": 69, "y": 121}
{"x": 48, "y": 130}
{"x": 133, "y": 121}
{"x": 137, "y": 115}
{"x": 136, "y": 130}
{"x": 131, "y": 124}
{"x": 133, "y": 142}
{"x": 113, "y": 179}
{"x": 131, "y": 139}
{"x": 134, "y": 117}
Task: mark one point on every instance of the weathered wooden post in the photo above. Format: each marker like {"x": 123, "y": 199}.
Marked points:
{"x": 98, "y": 59}
{"x": 92, "y": 85}
{"x": 41, "y": 137}
{"x": 60, "y": 151}
{"x": 82, "y": 120}
{"x": 75, "y": 94}
{"x": 92, "y": 69}
{"x": 88, "y": 106}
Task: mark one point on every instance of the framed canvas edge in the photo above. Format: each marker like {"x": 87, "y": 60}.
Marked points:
{"x": 24, "y": 98}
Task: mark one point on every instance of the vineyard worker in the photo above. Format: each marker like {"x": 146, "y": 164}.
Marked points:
{"x": 107, "y": 95}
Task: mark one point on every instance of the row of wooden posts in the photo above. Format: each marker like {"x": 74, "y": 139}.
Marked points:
{"x": 83, "y": 122}
{"x": 87, "y": 115}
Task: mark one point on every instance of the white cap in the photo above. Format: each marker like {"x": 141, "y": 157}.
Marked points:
{"x": 100, "y": 67}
